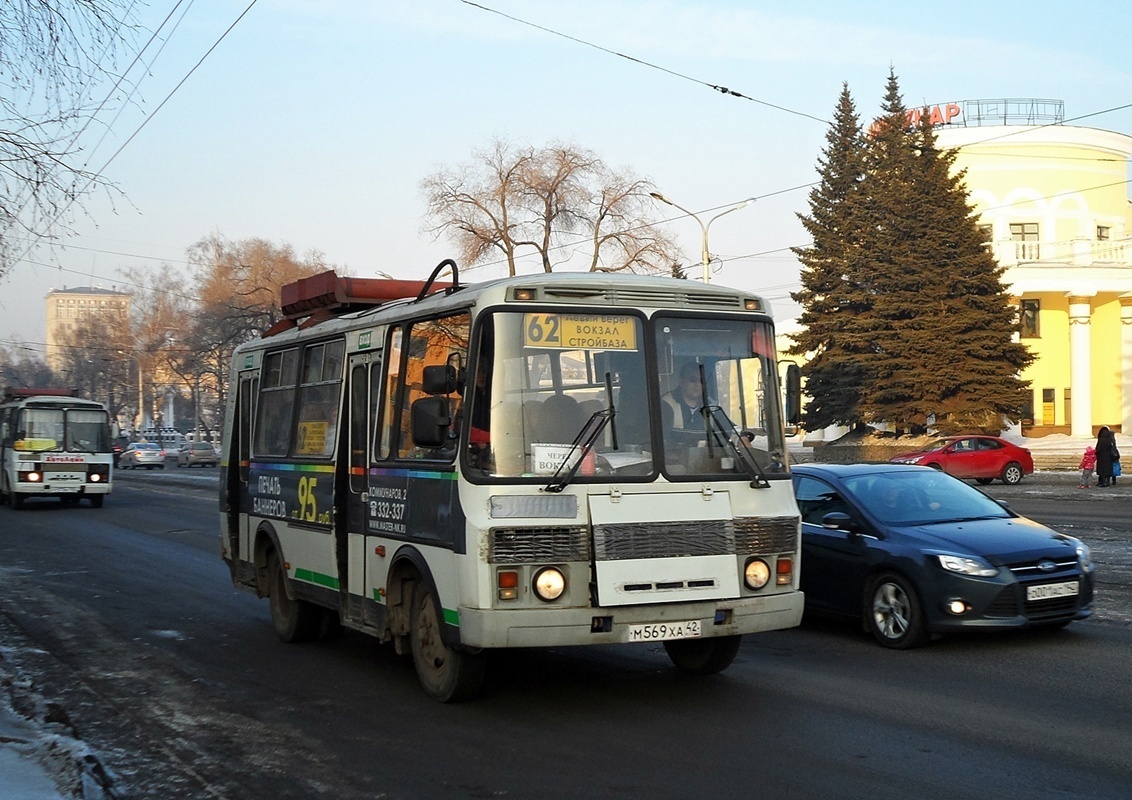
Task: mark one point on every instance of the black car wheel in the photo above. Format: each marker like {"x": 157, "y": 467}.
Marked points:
{"x": 983, "y": 481}
{"x": 893, "y": 612}
{"x": 1012, "y": 473}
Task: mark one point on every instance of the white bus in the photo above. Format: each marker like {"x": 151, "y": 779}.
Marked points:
{"x": 464, "y": 468}
{"x": 54, "y": 445}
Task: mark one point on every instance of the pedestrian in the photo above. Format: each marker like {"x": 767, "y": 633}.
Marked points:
{"x": 1088, "y": 463}
{"x": 1107, "y": 456}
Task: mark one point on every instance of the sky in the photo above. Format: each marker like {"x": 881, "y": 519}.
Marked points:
{"x": 312, "y": 123}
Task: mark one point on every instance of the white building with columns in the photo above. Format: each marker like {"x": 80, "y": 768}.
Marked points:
{"x": 1054, "y": 202}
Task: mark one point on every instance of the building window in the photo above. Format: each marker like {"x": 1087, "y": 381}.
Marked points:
{"x": 1025, "y": 237}
{"x": 1031, "y": 316}
{"x": 1103, "y": 233}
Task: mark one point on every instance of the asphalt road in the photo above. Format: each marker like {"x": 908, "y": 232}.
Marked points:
{"x": 125, "y": 629}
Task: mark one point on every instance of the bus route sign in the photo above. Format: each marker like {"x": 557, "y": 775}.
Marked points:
{"x": 580, "y": 331}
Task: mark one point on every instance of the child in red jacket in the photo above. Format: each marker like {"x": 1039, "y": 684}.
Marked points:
{"x": 1088, "y": 464}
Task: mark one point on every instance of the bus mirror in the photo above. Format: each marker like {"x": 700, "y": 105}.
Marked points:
{"x": 439, "y": 379}
{"x": 793, "y": 394}
{"x": 430, "y": 420}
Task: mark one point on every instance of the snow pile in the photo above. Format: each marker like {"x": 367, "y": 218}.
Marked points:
{"x": 40, "y": 758}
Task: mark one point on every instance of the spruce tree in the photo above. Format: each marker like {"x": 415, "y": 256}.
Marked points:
{"x": 830, "y": 296}
{"x": 893, "y": 330}
{"x": 905, "y": 317}
{"x": 940, "y": 328}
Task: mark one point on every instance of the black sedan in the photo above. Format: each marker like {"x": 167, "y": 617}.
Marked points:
{"x": 912, "y": 552}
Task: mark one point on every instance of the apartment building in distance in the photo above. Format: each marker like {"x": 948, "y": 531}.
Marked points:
{"x": 67, "y": 307}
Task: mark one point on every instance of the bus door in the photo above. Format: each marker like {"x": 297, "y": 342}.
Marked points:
{"x": 236, "y": 479}
{"x": 352, "y": 484}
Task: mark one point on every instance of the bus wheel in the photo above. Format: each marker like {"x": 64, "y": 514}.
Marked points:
{"x": 96, "y": 500}
{"x": 17, "y": 500}
{"x": 703, "y": 656}
{"x": 294, "y": 620}
{"x": 447, "y": 675}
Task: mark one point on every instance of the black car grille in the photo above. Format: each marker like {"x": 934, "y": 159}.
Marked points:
{"x": 1005, "y": 605}
{"x": 1011, "y": 601}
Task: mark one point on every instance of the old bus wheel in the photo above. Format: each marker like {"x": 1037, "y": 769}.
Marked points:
{"x": 96, "y": 500}
{"x": 294, "y": 620}
{"x": 447, "y": 675}
{"x": 702, "y": 656}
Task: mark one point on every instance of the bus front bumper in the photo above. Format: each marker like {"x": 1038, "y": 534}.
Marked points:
{"x": 552, "y": 626}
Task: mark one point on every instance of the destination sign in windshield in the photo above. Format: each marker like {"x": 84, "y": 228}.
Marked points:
{"x": 580, "y": 331}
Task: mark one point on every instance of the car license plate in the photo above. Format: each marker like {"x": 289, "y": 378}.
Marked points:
{"x": 659, "y": 631}
{"x": 1046, "y": 591}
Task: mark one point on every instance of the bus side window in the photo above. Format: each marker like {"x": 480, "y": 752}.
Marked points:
{"x": 432, "y": 343}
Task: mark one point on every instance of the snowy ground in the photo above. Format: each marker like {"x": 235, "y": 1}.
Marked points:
{"x": 40, "y": 758}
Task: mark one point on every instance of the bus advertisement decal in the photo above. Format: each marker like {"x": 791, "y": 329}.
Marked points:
{"x": 293, "y": 492}
{"x": 416, "y": 504}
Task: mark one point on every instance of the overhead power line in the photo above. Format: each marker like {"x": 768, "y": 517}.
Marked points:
{"x": 40, "y": 236}
{"x": 716, "y": 87}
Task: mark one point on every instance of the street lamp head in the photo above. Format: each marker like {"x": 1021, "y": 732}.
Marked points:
{"x": 660, "y": 197}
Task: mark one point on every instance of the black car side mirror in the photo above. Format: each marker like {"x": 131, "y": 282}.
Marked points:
{"x": 838, "y": 521}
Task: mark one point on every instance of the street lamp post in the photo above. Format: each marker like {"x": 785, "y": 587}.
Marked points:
{"x": 140, "y": 421}
{"x": 704, "y": 254}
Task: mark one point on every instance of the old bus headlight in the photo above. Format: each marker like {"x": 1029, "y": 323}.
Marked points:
{"x": 756, "y": 574}
{"x": 549, "y": 583}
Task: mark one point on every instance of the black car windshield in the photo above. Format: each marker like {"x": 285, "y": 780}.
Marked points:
{"x": 920, "y": 497}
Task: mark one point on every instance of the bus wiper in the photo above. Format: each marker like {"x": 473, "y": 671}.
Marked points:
{"x": 719, "y": 423}
{"x": 581, "y": 445}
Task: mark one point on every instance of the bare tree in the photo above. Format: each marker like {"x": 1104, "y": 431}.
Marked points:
{"x": 553, "y": 201}
{"x": 237, "y": 290}
{"x": 22, "y": 367}
{"x": 52, "y": 55}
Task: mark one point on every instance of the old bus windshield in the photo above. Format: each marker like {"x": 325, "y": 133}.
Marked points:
{"x": 728, "y": 367}
{"x": 62, "y": 430}
{"x": 541, "y": 377}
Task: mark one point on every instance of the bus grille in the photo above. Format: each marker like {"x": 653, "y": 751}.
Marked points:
{"x": 766, "y": 535}
{"x": 658, "y": 298}
{"x": 531, "y": 545}
{"x": 663, "y": 540}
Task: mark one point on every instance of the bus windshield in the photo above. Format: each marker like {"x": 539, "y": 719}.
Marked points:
{"x": 542, "y": 377}
{"x": 728, "y": 368}
{"x": 63, "y": 430}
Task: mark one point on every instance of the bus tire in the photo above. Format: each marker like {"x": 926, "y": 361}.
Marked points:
{"x": 96, "y": 500}
{"x": 17, "y": 501}
{"x": 294, "y": 620}
{"x": 445, "y": 674}
{"x": 703, "y": 656}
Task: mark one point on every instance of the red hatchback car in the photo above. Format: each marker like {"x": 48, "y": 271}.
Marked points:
{"x": 983, "y": 458}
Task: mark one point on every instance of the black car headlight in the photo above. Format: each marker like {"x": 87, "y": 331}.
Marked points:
{"x": 967, "y": 565}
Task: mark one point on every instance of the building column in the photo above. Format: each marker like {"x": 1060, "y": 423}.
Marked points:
{"x": 1080, "y": 366}
{"x": 1126, "y": 364}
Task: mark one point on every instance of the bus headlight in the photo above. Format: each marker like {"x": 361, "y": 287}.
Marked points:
{"x": 756, "y": 574}
{"x": 31, "y": 477}
{"x": 549, "y": 583}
